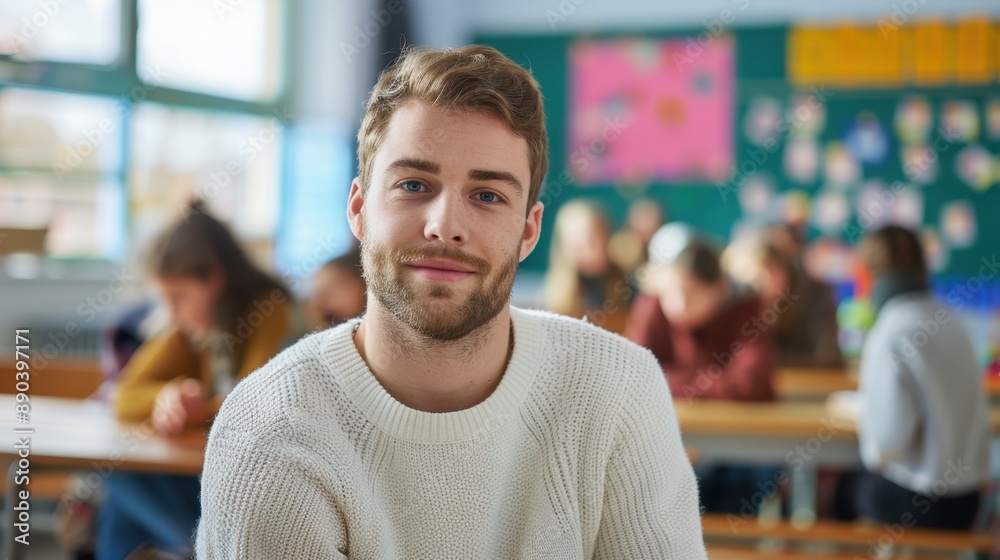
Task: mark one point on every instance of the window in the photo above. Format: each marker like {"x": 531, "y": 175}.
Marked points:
{"x": 60, "y": 170}
{"x": 227, "y": 49}
{"x": 231, "y": 160}
{"x": 80, "y": 31}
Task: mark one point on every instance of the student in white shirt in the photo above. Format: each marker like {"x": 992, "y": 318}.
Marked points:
{"x": 924, "y": 430}
{"x": 447, "y": 423}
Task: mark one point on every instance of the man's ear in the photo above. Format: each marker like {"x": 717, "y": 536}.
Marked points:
{"x": 355, "y": 200}
{"x": 532, "y": 230}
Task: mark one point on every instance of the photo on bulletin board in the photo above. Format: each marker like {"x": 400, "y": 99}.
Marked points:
{"x": 960, "y": 120}
{"x": 974, "y": 165}
{"x": 913, "y": 119}
{"x": 993, "y": 119}
{"x": 762, "y": 120}
{"x": 867, "y": 140}
{"x": 644, "y": 109}
{"x": 958, "y": 223}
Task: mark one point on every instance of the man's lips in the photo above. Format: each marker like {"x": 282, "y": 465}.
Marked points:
{"x": 439, "y": 269}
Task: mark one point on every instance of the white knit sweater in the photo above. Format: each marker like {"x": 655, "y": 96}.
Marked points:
{"x": 576, "y": 454}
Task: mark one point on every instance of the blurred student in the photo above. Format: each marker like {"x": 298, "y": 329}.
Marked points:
{"x": 338, "y": 291}
{"x": 924, "y": 428}
{"x": 805, "y": 332}
{"x": 712, "y": 339}
{"x": 227, "y": 319}
{"x": 629, "y": 244}
{"x": 582, "y": 280}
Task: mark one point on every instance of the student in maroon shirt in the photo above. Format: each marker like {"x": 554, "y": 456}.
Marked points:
{"x": 714, "y": 341}
{"x": 712, "y": 338}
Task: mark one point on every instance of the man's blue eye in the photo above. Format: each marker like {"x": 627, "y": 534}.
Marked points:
{"x": 491, "y": 197}
{"x": 413, "y": 186}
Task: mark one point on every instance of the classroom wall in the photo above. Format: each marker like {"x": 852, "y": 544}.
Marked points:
{"x": 450, "y": 22}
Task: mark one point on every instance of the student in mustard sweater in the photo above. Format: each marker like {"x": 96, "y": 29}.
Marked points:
{"x": 227, "y": 319}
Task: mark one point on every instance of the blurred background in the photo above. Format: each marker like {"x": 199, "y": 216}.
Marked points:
{"x": 738, "y": 118}
{"x": 114, "y": 112}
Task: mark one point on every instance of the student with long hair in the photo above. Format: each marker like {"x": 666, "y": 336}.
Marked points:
{"x": 805, "y": 334}
{"x": 228, "y": 318}
{"x": 583, "y": 280}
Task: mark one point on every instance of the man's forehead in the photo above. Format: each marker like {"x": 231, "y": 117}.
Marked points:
{"x": 455, "y": 140}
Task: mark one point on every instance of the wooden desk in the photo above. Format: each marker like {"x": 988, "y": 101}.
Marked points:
{"x": 82, "y": 434}
{"x": 59, "y": 378}
{"x": 79, "y": 434}
{"x": 799, "y": 436}
{"x": 801, "y": 384}
{"x": 797, "y": 384}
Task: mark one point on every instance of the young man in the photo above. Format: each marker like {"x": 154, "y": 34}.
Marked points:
{"x": 447, "y": 423}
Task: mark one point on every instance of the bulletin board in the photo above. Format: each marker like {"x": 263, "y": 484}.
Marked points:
{"x": 868, "y": 145}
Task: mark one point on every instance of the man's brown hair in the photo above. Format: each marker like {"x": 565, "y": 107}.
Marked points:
{"x": 475, "y": 78}
{"x": 892, "y": 250}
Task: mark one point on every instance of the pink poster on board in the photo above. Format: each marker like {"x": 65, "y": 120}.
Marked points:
{"x": 651, "y": 110}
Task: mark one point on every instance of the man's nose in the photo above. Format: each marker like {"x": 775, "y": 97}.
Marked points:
{"x": 447, "y": 219}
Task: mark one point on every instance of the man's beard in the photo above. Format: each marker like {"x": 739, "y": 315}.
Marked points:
{"x": 435, "y": 314}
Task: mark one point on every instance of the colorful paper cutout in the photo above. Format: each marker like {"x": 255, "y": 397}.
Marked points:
{"x": 840, "y": 167}
{"x": 801, "y": 160}
{"x": 958, "y": 223}
{"x": 756, "y": 195}
{"x": 974, "y": 165}
{"x": 936, "y": 251}
{"x": 993, "y": 119}
{"x": 867, "y": 140}
{"x": 920, "y": 163}
{"x": 808, "y": 115}
{"x": 959, "y": 120}
{"x": 913, "y": 119}
{"x": 761, "y": 121}
{"x": 649, "y": 110}
{"x": 830, "y": 212}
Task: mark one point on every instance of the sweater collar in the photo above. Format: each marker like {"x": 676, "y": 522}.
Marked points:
{"x": 349, "y": 370}
{"x": 892, "y": 285}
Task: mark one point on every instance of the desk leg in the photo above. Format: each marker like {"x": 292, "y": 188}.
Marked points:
{"x": 804, "y": 493}
{"x": 10, "y": 549}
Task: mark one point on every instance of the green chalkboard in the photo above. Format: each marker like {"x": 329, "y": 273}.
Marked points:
{"x": 760, "y": 71}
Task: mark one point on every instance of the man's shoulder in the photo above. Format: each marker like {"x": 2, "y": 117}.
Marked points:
{"x": 582, "y": 348}
{"x": 273, "y": 393}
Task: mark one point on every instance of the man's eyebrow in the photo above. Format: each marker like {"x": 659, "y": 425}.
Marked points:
{"x": 415, "y": 163}
{"x": 489, "y": 175}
